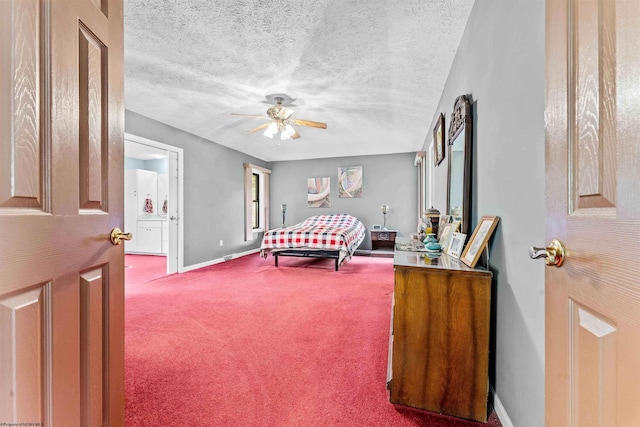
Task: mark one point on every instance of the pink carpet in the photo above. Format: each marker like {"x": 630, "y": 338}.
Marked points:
{"x": 144, "y": 268}
{"x": 243, "y": 343}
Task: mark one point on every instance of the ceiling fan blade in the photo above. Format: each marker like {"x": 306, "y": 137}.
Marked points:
{"x": 285, "y": 113}
{"x": 250, "y": 115}
{"x": 262, "y": 126}
{"x": 309, "y": 123}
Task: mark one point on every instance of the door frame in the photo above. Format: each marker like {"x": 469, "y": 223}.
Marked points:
{"x": 179, "y": 175}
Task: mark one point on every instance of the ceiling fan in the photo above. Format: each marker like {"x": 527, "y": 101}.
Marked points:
{"x": 281, "y": 121}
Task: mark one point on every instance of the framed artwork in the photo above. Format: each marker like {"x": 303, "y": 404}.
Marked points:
{"x": 444, "y": 221}
{"x": 319, "y": 192}
{"x": 350, "y": 182}
{"x": 456, "y": 243}
{"x": 479, "y": 240}
{"x": 445, "y": 235}
{"x": 447, "y": 232}
{"x": 438, "y": 141}
{"x": 455, "y": 226}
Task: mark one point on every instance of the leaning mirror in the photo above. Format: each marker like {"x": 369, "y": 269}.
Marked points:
{"x": 459, "y": 183}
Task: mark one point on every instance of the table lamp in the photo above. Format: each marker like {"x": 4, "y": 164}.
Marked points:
{"x": 283, "y": 209}
{"x": 384, "y": 209}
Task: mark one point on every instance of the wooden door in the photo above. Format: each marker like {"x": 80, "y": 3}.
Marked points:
{"x": 61, "y": 169}
{"x": 593, "y": 207}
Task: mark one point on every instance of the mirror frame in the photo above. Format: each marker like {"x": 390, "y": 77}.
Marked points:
{"x": 461, "y": 120}
{"x": 420, "y": 162}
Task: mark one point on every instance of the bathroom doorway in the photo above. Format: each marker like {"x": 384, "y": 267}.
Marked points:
{"x": 153, "y": 200}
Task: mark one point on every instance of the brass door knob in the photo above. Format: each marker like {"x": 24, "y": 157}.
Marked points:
{"x": 117, "y": 236}
{"x": 553, "y": 254}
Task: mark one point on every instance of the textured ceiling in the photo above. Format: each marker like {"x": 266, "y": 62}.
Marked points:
{"x": 372, "y": 70}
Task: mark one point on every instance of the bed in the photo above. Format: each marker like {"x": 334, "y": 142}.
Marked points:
{"x": 321, "y": 236}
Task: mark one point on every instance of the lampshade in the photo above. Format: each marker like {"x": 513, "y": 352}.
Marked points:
{"x": 272, "y": 129}
{"x": 287, "y": 132}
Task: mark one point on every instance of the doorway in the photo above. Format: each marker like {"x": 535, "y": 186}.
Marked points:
{"x": 153, "y": 200}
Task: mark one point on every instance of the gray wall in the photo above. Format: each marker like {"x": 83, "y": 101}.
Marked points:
{"x": 500, "y": 63}
{"x": 213, "y": 191}
{"x": 388, "y": 180}
{"x": 214, "y": 201}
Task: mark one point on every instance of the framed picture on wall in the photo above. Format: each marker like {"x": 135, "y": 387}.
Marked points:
{"x": 319, "y": 192}
{"x": 438, "y": 141}
{"x": 350, "y": 181}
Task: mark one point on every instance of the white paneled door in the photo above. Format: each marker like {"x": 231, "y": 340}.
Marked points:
{"x": 61, "y": 179}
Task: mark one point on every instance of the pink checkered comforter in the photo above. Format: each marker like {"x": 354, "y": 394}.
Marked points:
{"x": 329, "y": 232}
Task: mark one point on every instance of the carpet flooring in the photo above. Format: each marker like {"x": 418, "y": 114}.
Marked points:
{"x": 140, "y": 269}
{"x": 243, "y": 343}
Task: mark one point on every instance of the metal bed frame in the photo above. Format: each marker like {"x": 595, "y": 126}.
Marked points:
{"x": 309, "y": 253}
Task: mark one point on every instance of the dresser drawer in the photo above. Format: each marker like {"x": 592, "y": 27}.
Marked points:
{"x": 383, "y": 235}
{"x": 386, "y": 235}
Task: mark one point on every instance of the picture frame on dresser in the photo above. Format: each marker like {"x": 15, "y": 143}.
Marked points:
{"x": 443, "y": 222}
{"x": 455, "y": 245}
{"x": 447, "y": 232}
{"x": 479, "y": 240}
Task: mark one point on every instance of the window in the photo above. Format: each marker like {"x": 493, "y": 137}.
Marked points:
{"x": 256, "y": 200}
{"x": 255, "y": 195}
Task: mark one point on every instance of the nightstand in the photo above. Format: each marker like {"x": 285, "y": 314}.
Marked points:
{"x": 383, "y": 242}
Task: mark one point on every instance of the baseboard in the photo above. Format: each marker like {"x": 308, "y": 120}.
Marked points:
{"x": 501, "y": 412}
{"x": 219, "y": 260}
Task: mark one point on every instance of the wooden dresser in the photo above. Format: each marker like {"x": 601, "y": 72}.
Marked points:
{"x": 439, "y": 341}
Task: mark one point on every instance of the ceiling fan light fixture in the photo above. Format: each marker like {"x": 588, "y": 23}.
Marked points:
{"x": 272, "y": 129}
{"x": 288, "y": 132}
{"x": 281, "y": 118}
